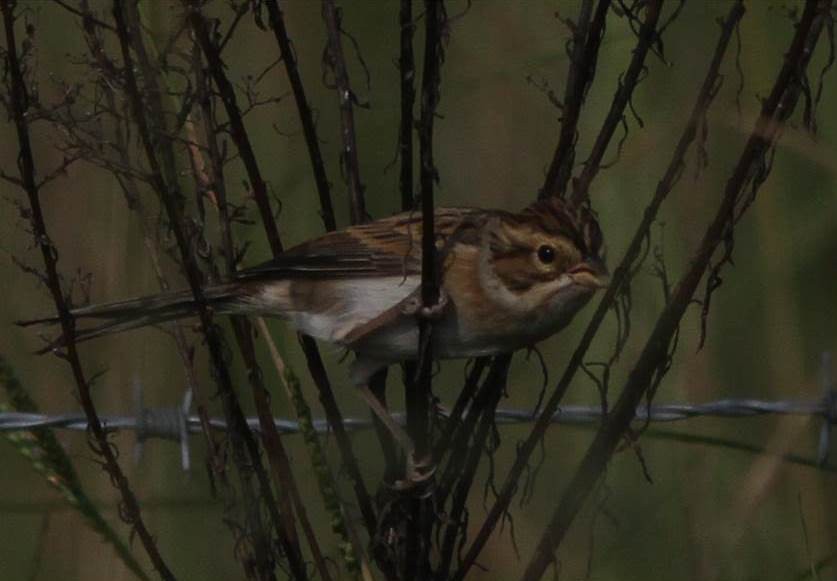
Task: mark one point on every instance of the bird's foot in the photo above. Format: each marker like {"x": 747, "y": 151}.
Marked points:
{"x": 414, "y": 307}
{"x": 418, "y": 472}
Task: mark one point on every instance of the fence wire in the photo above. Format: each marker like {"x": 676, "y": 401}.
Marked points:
{"x": 175, "y": 423}
{"x": 165, "y": 422}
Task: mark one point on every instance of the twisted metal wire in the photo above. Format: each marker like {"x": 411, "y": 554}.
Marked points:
{"x": 166, "y": 422}
{"x": 175, "y": 423}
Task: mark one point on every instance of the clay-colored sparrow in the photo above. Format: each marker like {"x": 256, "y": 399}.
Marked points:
{"x": 508, "y": 281}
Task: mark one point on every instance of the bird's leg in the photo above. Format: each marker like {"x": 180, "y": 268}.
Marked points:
{"x": 386, "y": 418}
{"x": 417, "y": 470}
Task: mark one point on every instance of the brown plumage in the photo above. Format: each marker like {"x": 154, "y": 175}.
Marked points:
{"x": 507, "y": 280}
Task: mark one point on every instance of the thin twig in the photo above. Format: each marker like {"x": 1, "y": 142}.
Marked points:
{"x": 433, "y": 56}
{"x": 454, "y": 422}
{"x": 26, "y": 164}
{"x": 491, "y": 393}
{"x": 407, "y": 73}
{"x": 358, "y": 213}
{"x": 648, "y": 34}
{"x": 276, "y": 453}
{"x": 619, "y": 279}
{"x": 108, "y": 71}
{"x": 337, "y": 63}
{"x": 419, "y": 394}
{"x": 277, "y": 23}
{"x": 237, "y": 129}
{"x": 168, "y": 188}
{"x": 309, "y": 346}
{"x": 84, "y": 14}
{"x": 587, "y": 37}
{"x": 278, "y": 459}
{"x": 325, "y": 478}
{"x": 335, "y": 419}
{"x": 775, "y": 111}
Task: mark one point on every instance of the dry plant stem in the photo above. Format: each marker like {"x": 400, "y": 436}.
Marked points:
{"x": 171, "y": 197}
{"x": 378, "y": 387}
{"x": 587, "y": 37}
{"x": 416, "y": 562}
{"x": 460, "y": 445}
{"x": 312, "y": 354}
{"x": 337, "y": 62}
{"x": 620, "y": 278}
{"x": 237, "y": 129}
{"x": 335, "y": 422}
{"x": 26, "y": 164}
{"x": 280, "y": 463}
{"x": 245, "y": 450}
{"x": 282, "y": 371}
{"x": 407, "y": 73}
{"x": 277, "y": 23}
{"x": 276, "y": 453}
{"x": 134, "y": 200}
{"x": 775, "y": 111}
{"x": 647, "y": 36}
{"x": 418, "y": 412}
{"x": 84, "y": 13}
{"x": 454, "y": 421}
{"x": 493, "y": 390}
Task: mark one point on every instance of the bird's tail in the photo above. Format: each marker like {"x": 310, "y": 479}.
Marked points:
{"x": 140, "y": 312}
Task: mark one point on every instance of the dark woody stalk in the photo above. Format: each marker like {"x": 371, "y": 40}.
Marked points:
{"x": 620, "y": 278}
{"x": 485, "y": 405}
{"x": 587, "y": 37}
{"x": 407, "y": 74}
{"x": 277, "y": 456}
{"x": 419, "y": 395}
{"x": 648, "y": 35}
{"x": 237, "y": 130}
{"x": 309, "y": 346}
{"x": 277, "y": 23}
{"x": 130, "y": 188}
{"x": 168, "y": 187}
{"x": 243, "y": 444}
{"x": 775, "y": 111}
{"x": 19, "y": 105}
{"x": 337, "y": 62}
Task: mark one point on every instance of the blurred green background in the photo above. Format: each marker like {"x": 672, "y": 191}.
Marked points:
{"x": 710, "y": 513}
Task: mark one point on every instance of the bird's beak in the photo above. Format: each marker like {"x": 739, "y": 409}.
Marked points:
{"x": 591, "y": 273}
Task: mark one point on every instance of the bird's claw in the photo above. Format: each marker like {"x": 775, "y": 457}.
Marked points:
{"x": 418, "y": 472}
{"x": 414, "y": 307}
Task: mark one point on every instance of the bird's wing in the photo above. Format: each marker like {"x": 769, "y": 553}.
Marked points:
{"x": 387, "y": 247}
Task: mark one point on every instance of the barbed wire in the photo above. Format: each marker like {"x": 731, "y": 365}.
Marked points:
{"x": 166, "y": 423}
{"x": 175, "y": 423}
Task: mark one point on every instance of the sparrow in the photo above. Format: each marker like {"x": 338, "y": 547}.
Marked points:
{"x": 508, "y": 280}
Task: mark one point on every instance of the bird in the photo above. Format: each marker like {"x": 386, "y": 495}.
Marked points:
{"x": 507, "y": 281}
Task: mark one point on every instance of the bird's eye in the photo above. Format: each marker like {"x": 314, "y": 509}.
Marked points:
{"x": 546, "y": 254}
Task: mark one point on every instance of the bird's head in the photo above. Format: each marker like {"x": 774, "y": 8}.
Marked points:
{"x": 545, "y": 260}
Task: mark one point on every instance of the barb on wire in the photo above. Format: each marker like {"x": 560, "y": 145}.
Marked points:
{"x": 164, "y": 177}
{"x": 165, "y": 423}
{"x": 19, "y": 110}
